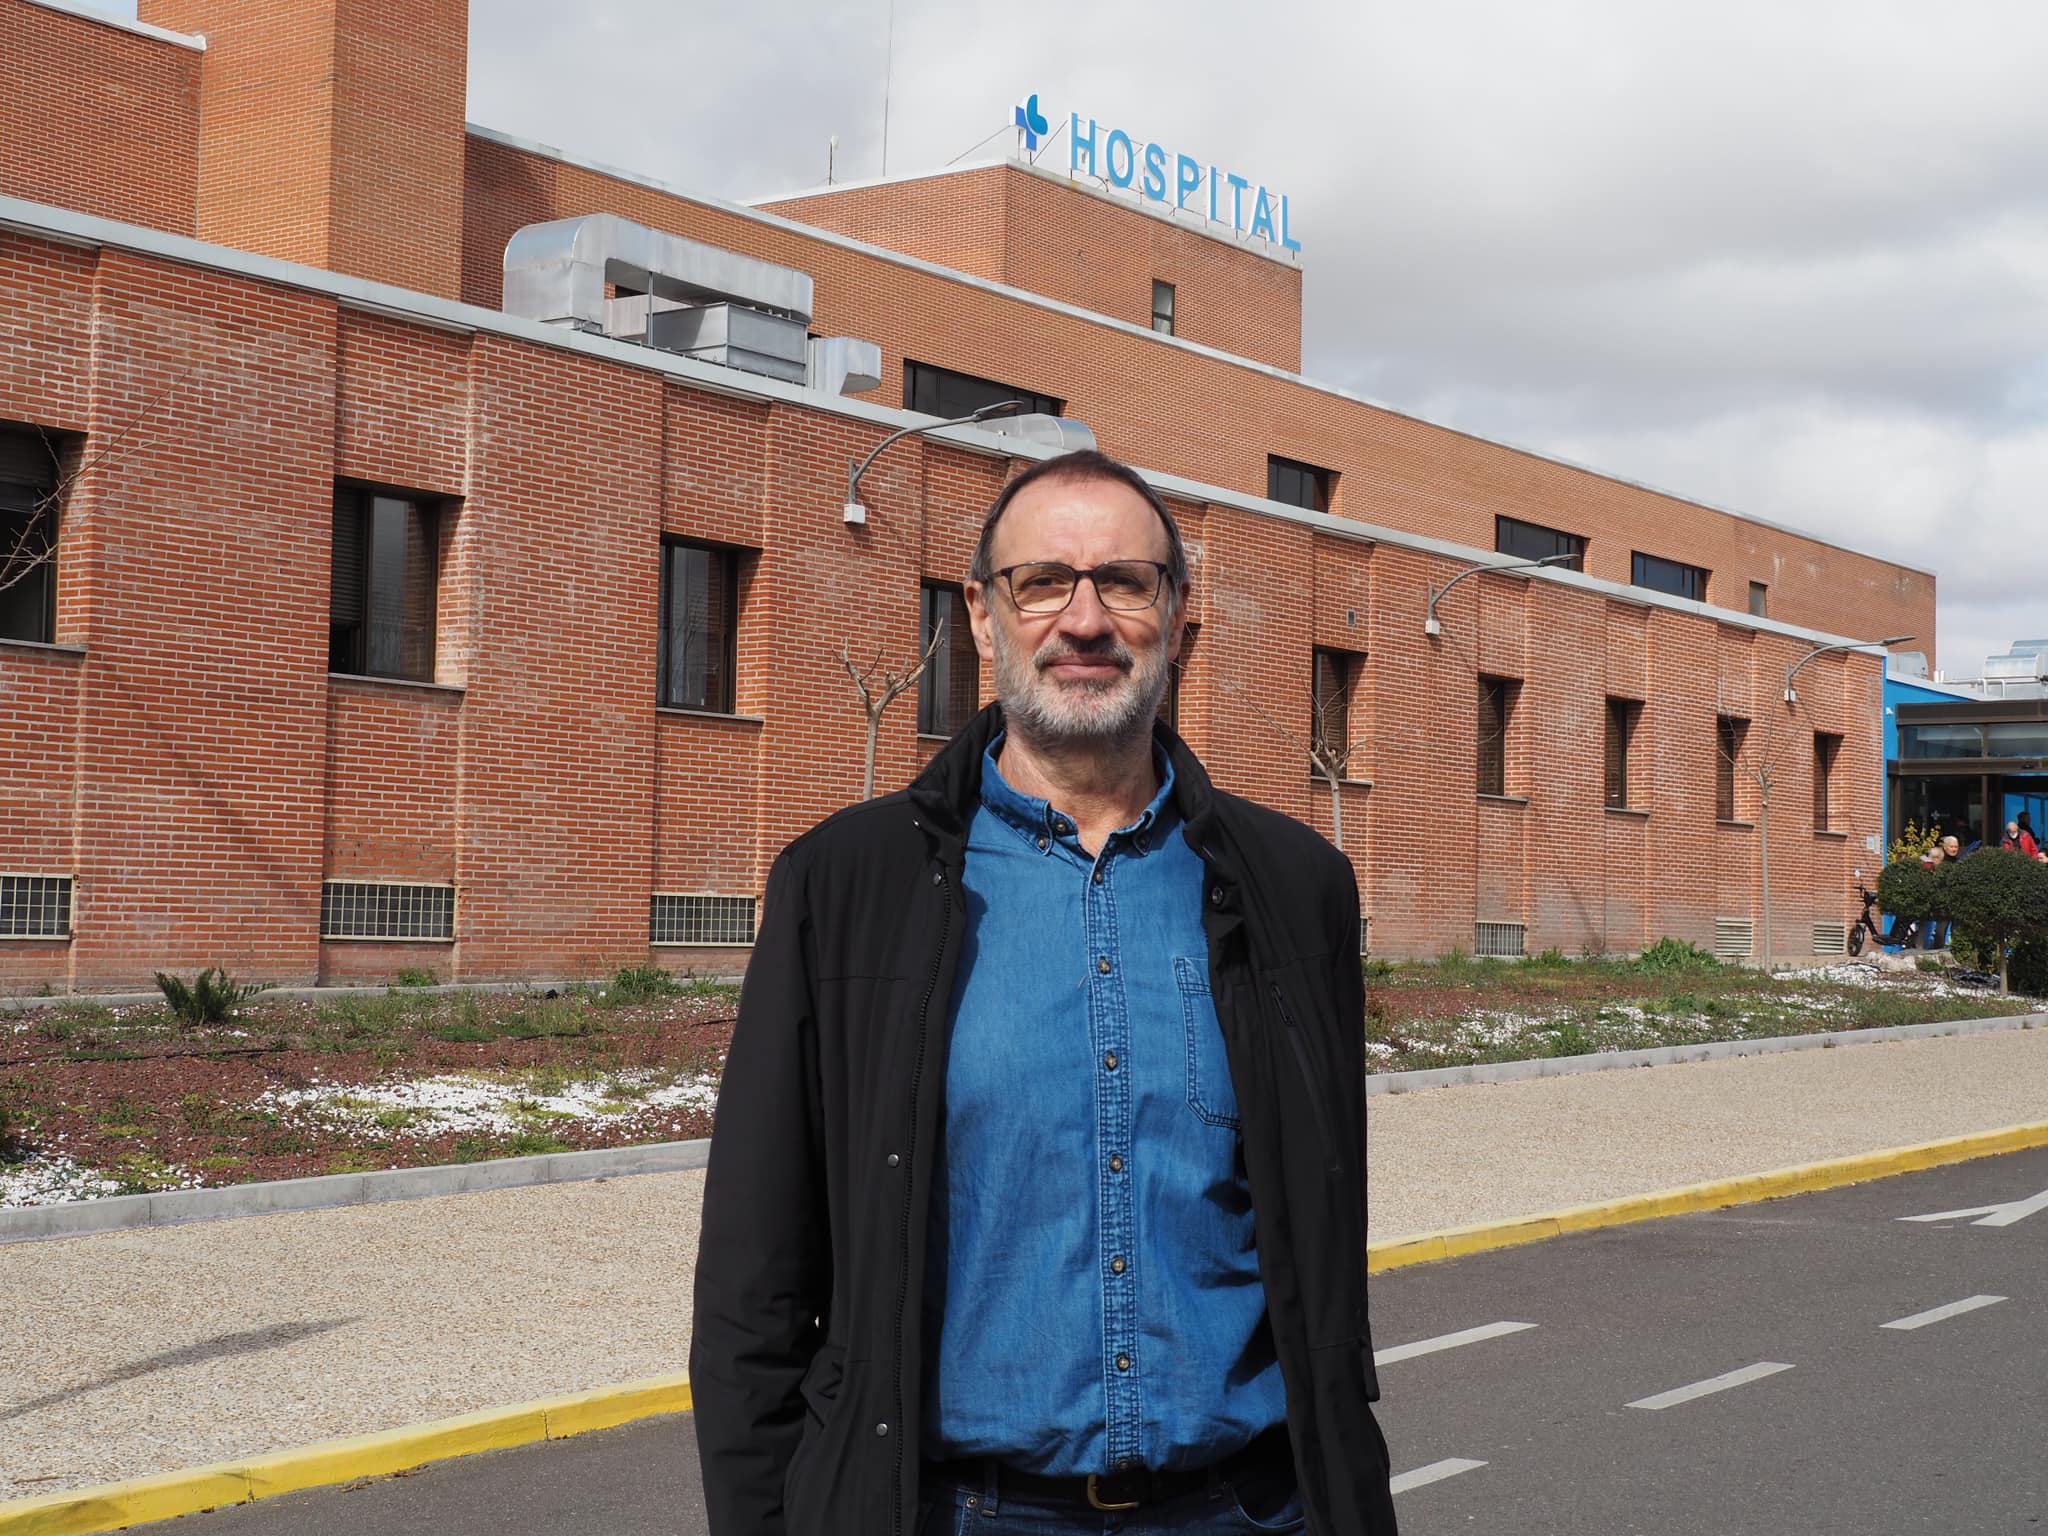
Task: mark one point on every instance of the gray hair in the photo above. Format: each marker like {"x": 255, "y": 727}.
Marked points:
{"x": 1084, "y": 464}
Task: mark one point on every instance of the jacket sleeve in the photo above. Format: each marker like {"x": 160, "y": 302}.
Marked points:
{"x": 764, "y": 1257}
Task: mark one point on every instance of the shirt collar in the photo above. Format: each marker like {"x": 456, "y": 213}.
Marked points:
{"x": 1035, "y": 816}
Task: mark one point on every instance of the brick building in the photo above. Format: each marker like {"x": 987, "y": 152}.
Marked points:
{"x": 385, "y": 628}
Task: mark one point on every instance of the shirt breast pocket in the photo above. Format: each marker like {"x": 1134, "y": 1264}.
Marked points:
{"x": 1211, "y": 1094}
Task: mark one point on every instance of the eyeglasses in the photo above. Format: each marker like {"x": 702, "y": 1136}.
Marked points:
{"x": 1046, "y": 586}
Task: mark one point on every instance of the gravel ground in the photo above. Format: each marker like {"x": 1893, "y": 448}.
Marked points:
{"x": 178, "y": 1346}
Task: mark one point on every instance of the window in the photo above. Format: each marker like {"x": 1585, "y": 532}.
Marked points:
{"x": 949, "y": 692}
{"x": 700, "y": 606}
{"x": 28, "y": 537}
{"x": 1759, "y": 599}
{"x": 944, "y": 393}
{"x": 380, "y": 620}
{"x": 1176, "y": 670}
{"x": 1496, "y": 710}
{"x": 727, "y": 921}
{"x": 1826, "y": 749}
{"x": 1298, "y": 484}
{"x": 1661, "y": 575}
{"x": 1162, "y": 307}
{"x": 1333, "y": 680}
{"x": 1622, "y": 718}
{"x": 370, "y": 909}
{"x": 1533, "y": 541}
{"x": 35, "y": 906}
{"x": 1728, "y": 735}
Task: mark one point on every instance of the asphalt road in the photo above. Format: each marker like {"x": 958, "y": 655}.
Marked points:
{"x": 1727, "y": 1372}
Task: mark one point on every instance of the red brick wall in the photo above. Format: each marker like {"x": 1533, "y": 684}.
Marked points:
{"x": 98, "y": 118}
{"x": 1211, "y": 420}
{"x": 1009, "y": 226}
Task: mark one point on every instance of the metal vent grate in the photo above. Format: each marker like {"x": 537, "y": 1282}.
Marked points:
{"x": 369, "y": 909}
{"x": 1831, "y": 938}
{"x": 1499, "y": 941}
{"x": 702, "y": 919}
{"x": 1734, "y": 938}
{"x": 35, "y": 906}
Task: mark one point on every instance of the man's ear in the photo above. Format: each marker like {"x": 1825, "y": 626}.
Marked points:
{"x": 980, "y": 620}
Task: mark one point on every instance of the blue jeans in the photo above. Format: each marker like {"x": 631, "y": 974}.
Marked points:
{"x": 1221, "y": 1509}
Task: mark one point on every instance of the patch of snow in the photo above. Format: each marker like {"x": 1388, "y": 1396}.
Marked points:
{"x": 50, "y": 1178}
{"x": 472, "y": 1102}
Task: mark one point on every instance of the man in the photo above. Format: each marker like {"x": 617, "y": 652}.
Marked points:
{"x": 1037, "y": 1189}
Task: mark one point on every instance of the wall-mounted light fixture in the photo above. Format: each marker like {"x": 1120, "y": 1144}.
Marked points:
{"x": 1792, "y": 696}
{"x": 1430, "y": 624}
{"x": 1035, "y": 427}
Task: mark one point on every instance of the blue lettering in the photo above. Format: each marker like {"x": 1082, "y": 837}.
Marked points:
{"x": 1187, "y": 176}
{"x": 1262, "y": 216}
{"x": 1155, "y": 173}
{"x": 1286, "y": 236}
{"x": 1238, "y": 187}
{"x": 1214, "y": 176}
{"x": 1075, "y": 142}
{"x": 1120, "y": 178}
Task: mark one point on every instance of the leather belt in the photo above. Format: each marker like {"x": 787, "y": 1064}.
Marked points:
{"x": 1271, "y": 1452}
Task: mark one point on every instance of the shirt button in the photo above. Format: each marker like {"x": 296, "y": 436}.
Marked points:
{"x": 894, "y": 1159}
{"x": 1102, "y": 964}
{"x": 1098, "y": 877}
{"x": 1109, "y": 1061}
{"x": 1123, "y": 1363}
{"x": 1043, "y": 844}
{"x": 1060, "y": 825}
{"x": 1117, "y": 1265}
{"x": 1116, "y": 1162}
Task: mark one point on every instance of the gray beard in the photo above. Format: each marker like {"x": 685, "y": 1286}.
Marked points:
{"x": 1089, "y": 716}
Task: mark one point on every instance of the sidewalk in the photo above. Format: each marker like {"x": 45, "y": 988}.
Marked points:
{"x": 149, "y": 1351}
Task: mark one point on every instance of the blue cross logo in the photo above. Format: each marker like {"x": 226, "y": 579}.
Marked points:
{"x": 1030, "y": 119}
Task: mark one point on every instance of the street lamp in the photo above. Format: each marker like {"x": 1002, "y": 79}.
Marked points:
{"x": 1036, "y": 427}
{"x": 1430, "y": 625}
{"x": 1792, "y": 697}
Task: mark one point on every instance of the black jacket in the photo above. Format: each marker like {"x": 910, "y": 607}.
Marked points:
{"x": 806, "y": 1360}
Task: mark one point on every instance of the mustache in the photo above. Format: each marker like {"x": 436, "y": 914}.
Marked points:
{"x": 1108, "y": 648}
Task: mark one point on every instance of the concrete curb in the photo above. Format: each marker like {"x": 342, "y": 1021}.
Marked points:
{"x": 1745, "y": 1189}
{"x": 118, "y": 1213}
{"x": 18, "y": 1003}
{"x": 112, "y": 1506}
{"x": 1667, "y": 1055}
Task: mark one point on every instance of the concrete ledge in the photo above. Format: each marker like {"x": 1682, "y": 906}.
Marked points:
{"x": 1744, "y": 1189}
{"x": 1667, "y": 1055}
{"x": 112, "y": 1506}
{"x": 119, "y": 1212}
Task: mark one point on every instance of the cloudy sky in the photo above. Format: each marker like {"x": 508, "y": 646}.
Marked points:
{"x": 1788, "y": 257}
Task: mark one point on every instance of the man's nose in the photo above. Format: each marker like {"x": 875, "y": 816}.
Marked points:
{"x": 1084, "y": 613}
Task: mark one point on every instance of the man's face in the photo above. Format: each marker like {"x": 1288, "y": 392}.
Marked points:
{"x": 1088, "y": 673}
{"x": 1951, "y": 846}
{"x": 2012, "y": 829}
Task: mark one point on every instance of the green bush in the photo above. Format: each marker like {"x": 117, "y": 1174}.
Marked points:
{"x": 210, "y": 998}
{"x": 1669, "y": 955}
{"x": 414, "y": 976}
{"x": 1549, "y": 960}
{"x": 1998, "y": 899}
{"x": 1913, "y": 892}
{"x": 635, "y": 985}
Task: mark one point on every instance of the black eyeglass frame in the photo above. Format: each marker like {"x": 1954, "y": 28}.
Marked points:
{"x": 1089, "y": 573}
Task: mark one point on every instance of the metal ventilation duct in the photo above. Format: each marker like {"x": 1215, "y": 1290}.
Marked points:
{"x": 556, "y": 272}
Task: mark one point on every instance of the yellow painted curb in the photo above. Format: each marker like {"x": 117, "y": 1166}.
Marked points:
{"x": 1427, "y": 1247}
{"x": 141, "y": 1500}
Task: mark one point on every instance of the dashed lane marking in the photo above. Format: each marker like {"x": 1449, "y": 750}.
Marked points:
{"x": 1942, "y": 1314}
{"x": 1713, "y": 1384}
{"x": 1435, "y": 1472}
{"x": 1991, "y": 1215}
{"x": 1446, "y": 1341}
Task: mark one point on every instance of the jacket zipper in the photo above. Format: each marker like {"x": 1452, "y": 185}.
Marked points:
{"x": 909, "y": 1185}
{"x": 1308, "y": 1079}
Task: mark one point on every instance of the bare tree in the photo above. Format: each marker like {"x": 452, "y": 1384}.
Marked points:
{"x": 1330, "y": 759}
{"x": 880, "y": 686}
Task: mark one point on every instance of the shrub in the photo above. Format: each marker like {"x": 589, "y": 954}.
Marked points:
{"x": 634, "y": 985}
{"x": 210, "y": 998}
{"x": 1913, "y": 892}
{"x": 1668, "y": 955}
{"x": 1913, "y": 844}
{"x": 414, "y": 976}
{"x": 1549, "y": 960}
{"x": 1998, "y": 899}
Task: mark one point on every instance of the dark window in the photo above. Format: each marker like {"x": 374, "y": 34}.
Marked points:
{"x": 700, "y": 607}
{"x": 1333, "y": 679}
{"x": 1298, "y": 484}
{"x": 1826, "y": 749}
{"x": 1759, "y": 599}
{"x": 1533, "y": 541}
{"x": 944, "y": 393}
{"x": 1622, "y": 717}
{"x": 1162, "y": 307}
{"x": 1941, "y": 741}
{"x": 380, "y": 621}
{"x": 949, "y": 692}
{"x": 1496, "y": 711}
{"x": 1728, "y": 734}
{"x": 1661, "y": 575}
{"x": 28, "y": 537}
{"x": 1176, "y": 670}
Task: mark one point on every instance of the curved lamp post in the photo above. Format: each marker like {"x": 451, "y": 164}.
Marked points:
{"x": 855, "y": 512}
{"x": 1430, "y": 624}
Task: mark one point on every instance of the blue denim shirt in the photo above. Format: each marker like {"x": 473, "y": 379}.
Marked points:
{"x": 1092, "y": 1291}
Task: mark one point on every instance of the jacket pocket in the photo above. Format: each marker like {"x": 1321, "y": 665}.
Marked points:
{"x": 1211, "y": 1093}
{"x": 820, "y": 1390}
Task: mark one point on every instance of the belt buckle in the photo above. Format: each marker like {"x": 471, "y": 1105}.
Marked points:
{"x": 1094, "y": 1498}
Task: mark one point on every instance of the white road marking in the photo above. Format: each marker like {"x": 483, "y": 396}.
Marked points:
{"x": 1707, "y": 1388}
{"x": 1446, "y": 1341}
{"x": 1435, "y": 1472}
{"x": 1991, "y": 1215}
{"x": 1943, "y": 1314}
